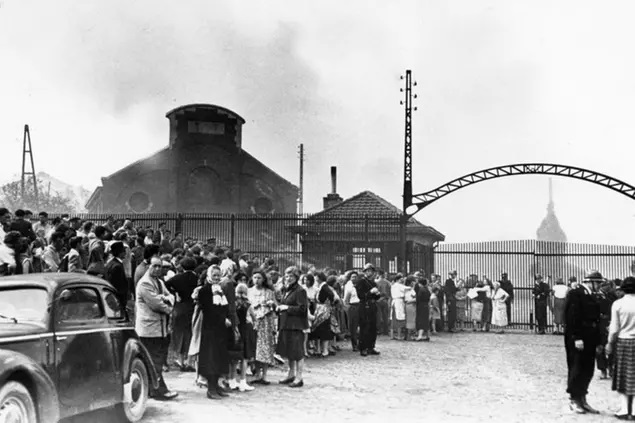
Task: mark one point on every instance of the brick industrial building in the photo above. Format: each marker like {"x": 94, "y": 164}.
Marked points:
{"x": 203, "y": 169}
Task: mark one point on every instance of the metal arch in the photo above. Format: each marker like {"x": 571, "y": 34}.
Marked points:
{"x": 425, "y": 199}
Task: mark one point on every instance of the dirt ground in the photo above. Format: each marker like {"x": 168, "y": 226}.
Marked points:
{"x": 462, "y": 377}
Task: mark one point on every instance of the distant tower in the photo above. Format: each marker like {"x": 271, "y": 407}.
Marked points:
{"x": 550, "y": 229}
{"x": 26, "y": 149}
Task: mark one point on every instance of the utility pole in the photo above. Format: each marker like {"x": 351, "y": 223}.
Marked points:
{"x": 298, "y": 241}
{"x": 301, "y": 191}
{"x": 26, "y": 149}
{"x": 407, "y": 167}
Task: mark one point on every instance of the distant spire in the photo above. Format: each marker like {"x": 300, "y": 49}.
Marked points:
{"x": 550, "y": 229}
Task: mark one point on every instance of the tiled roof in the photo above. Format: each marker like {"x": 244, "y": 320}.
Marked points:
{"x": 367, "y": 202}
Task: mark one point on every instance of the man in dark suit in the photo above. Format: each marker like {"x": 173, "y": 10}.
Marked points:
{"x": 115, "y": 273}
{"x": 22, "y": 225}
{"x": 507, "y": 286}
{"x": 582, "y": 335}
{"x": 450, "y": 299}
{"x": 368, "y": 295}
{"x": 541, "y": 296}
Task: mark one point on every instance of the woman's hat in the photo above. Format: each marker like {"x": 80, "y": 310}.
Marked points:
{"x": 593, "y": 276}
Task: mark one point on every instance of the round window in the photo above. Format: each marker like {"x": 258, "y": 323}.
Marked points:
{"x": 263, "y": 205}
{"x": 139, "y": 202}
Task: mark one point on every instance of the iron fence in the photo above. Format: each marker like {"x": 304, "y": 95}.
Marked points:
{"x": 524, "y": 259}
{"x": 339, "y": 242}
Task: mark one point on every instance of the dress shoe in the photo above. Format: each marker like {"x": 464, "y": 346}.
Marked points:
{"x": 169, "y": 395}
{"x": 355, "y": 349}
{"x": 221, "y": 392}
{"x": 213, "y": 395}
{"x": 622, "y": 416}
{"x": 298, "y": 384}
{"x": 260, "y": 382}
{"x": 286, "y": 381}
{"x": 373, "y": 352}
{"x": 587, "y": 407}
{"x": 576, "y": 407}
{"x": 363, "y": 353}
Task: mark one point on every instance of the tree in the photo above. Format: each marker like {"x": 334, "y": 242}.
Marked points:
{"x": 11, "y": 198}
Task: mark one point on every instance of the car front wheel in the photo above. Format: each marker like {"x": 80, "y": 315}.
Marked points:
{"x": 135, "y": 393}
{"x": 16, "y": 404}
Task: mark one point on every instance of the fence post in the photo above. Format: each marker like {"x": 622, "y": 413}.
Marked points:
{"x": 232, "y": 233}
{"x": 178, "y": 224}
{"x": 366, "y": 239}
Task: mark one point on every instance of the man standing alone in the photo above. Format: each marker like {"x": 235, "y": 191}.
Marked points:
{"x": 368, "y": 294}
{"x": 582, "y": 336}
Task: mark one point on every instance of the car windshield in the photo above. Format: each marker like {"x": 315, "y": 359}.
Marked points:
{"x": 23, "y": 305}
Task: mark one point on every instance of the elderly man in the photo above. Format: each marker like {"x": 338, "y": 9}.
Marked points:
{"x": 368, "y": 295}
{"x": 582, "y": 335}
{"x": 154, "y": 305}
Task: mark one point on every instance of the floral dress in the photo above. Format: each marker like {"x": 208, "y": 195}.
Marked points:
{"x": 265, "y": 324}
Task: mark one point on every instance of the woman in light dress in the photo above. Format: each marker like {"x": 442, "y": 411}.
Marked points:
{"x": 559, "y": 293}
{"x": 263, "y": 300}
{"x": 499, "y": 308}
{"x": 398, "y": 307}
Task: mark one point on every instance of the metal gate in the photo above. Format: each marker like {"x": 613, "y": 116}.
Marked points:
{"x": 524, "y": 259}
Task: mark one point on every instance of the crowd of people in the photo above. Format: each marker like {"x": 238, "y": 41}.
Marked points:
{"x": 222, "y": 314}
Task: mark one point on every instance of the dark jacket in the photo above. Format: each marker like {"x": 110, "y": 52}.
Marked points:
{"x": 541, "y": 292}
{"x": 295, "y": 317}
{"x": 450, "y": 290}
{"x": 116, "y": 275}
{"x": 509, "y": 288}
{"x": 24, "y": 227}
{"x": 582, "y": 316}
{"x": 363, "y": 288}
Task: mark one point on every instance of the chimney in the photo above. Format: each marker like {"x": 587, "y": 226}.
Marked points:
{"x": 333, "y": 180}
{"x": 333, "y": 198}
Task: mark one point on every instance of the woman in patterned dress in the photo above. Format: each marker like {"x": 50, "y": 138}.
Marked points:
{"x": 263, "y": 300}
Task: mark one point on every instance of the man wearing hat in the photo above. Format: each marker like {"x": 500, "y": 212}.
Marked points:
{"x": 450, "y": 298}
{"x": 368, "y": 295}
{"x": 582, "y": 335}
{"x": 541, "y": 295}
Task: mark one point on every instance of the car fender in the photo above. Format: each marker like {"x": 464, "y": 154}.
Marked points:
{"x": 21, "y": 368}
{"x": 134, "y": 348}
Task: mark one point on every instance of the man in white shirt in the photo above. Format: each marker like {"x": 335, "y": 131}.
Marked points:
{"x": 351, "y": 300}
{"x": 51, "y": 254}
{"x": 44, "y": 225}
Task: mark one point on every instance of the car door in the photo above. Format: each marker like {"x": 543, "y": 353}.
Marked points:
{"x": 83, "y": 349}
{"x": 119, "y": 323}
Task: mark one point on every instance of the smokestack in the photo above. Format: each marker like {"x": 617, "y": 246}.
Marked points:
{"x": 333, "y": 180}
{"x": 333, "y": 198}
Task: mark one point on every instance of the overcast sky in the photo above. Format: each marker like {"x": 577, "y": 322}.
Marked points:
{"x": 499, "y": 82}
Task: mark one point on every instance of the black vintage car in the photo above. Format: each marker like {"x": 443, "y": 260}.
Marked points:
{"x": 67, "y": 347}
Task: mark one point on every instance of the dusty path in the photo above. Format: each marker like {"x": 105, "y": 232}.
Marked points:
{"x": 464, "y": 377}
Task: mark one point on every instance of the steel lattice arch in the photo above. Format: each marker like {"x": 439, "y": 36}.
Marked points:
{"x": 427, "y": 198}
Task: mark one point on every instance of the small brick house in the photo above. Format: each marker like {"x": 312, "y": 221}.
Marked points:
{"x": 364, "y": 229}
{"x": 203, "y": 169}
